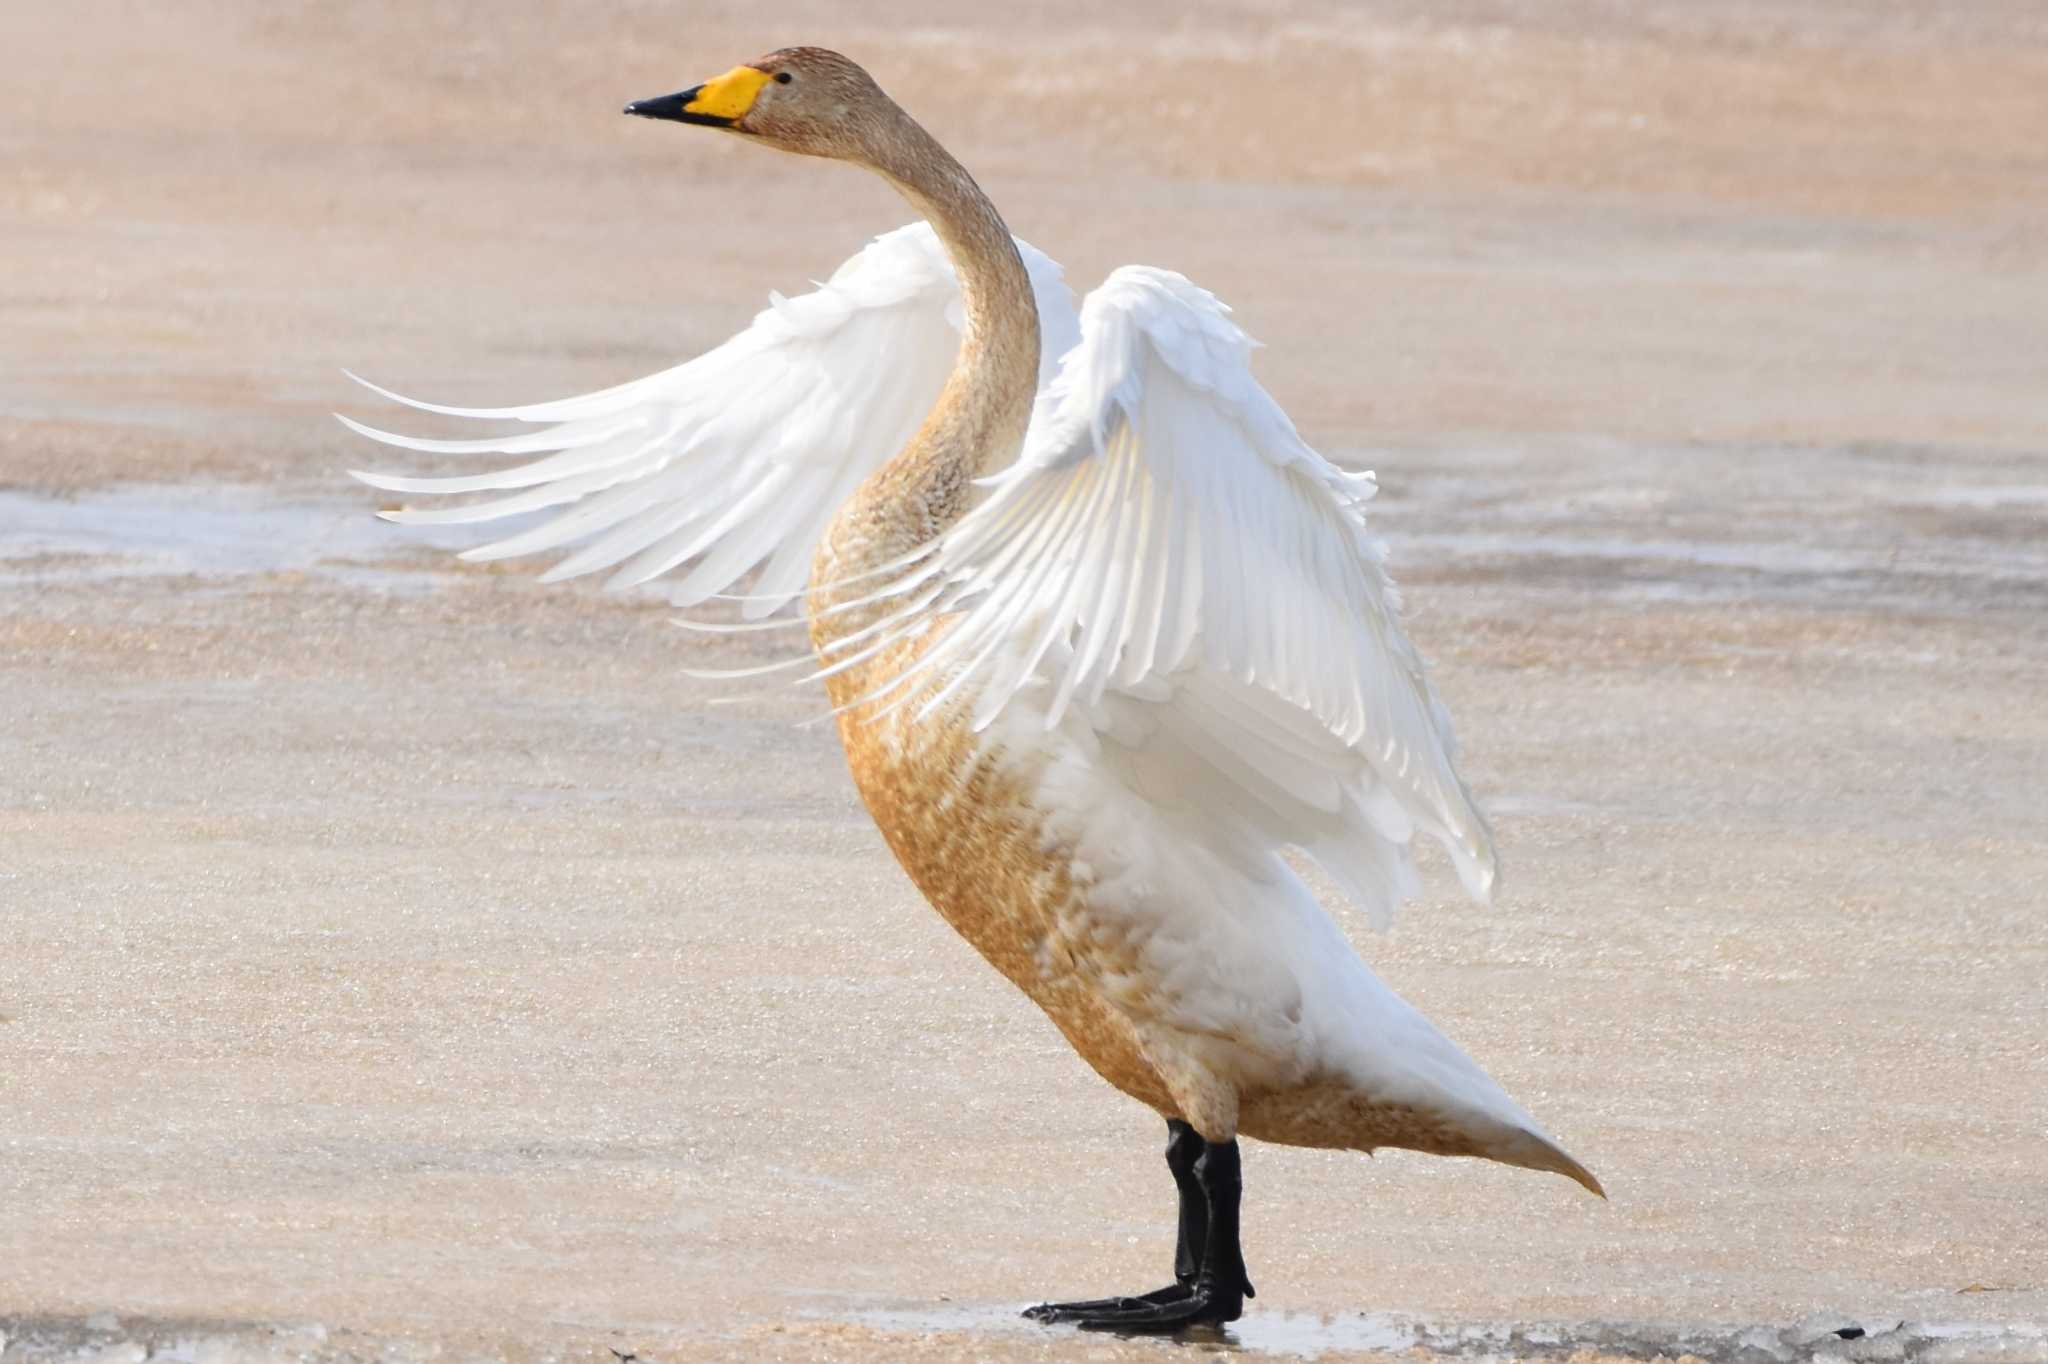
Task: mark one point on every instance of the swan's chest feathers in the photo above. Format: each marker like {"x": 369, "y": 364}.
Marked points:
{"x": 1038, "y": 854}
{"x": 962, "y": 817}
{"x": 966, "y": 816}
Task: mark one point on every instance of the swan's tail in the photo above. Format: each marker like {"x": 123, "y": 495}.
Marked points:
{"x": 1534, "y": 1151}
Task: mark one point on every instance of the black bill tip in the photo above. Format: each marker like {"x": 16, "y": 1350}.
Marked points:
{"x": 676, "y": 109}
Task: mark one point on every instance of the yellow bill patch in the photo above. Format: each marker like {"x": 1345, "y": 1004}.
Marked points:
{"x": 730, "y": 95}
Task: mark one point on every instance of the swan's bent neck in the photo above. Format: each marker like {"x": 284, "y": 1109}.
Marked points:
{"x": 977, "y": 424}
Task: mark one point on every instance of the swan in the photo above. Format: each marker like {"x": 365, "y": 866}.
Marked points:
{"x": 1103, "y": 637}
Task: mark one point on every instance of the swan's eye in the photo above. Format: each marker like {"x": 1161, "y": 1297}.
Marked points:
{"x": 783, "y": 78}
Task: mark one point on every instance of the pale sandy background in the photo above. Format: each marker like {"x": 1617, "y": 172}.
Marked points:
{"x": 404, "y": 956}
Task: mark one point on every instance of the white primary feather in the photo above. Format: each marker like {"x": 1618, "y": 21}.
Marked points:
{"x": 1167, "y": 539}
{"x": 735, "y": 460}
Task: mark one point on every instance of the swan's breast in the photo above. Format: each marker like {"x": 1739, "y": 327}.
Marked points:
{"x": 965, "y": 817}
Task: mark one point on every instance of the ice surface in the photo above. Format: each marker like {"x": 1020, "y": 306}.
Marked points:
{"x": 407, "y": 947}
{"x": 206, "y": 531}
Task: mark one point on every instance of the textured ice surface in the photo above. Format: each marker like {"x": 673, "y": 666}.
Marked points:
{"x": 406, "y": 947}
{"x": 1588, "y": 542}
{"x": 997, "y": 1333}
{"x": 207, "y": 531}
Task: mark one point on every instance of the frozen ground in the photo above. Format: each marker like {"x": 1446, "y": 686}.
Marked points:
{"x": 401, "y": 961}
{"x": 1000, "y": 1335}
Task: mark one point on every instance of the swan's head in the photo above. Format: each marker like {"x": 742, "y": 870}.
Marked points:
{"x": 801, "y": 99}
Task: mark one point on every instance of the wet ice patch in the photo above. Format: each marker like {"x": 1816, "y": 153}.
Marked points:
{"x": 1991, "y": 496}
{"x": 240, "y": 530}
{"x": 92, "y": 1340}
{"x": 1708, "y": 570}
{"x": 210, "y": 531}
{"x": 1308, "y": 1336}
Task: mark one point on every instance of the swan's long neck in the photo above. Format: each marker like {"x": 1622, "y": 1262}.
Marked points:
{"x": 978, "y": 422}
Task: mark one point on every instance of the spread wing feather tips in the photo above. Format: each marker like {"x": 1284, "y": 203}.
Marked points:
{"x": 734, "y": 461}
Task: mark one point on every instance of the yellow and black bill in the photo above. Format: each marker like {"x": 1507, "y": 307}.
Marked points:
{"x": 719, "y": 103}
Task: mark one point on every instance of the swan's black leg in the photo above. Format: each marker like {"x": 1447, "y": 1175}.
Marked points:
{"x": 1221, "y": 1285}
{"x": 1184, "y": 1148}
{"x": 1210, "y": 1284}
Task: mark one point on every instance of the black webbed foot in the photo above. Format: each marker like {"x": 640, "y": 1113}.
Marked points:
{"x": 1074, "y": 1311}
{"x": 1204, "y": 1304}
{"x": 1211, "y": 1284}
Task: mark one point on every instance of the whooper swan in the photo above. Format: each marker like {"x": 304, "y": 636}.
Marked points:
{"x": 1103, "y": 636}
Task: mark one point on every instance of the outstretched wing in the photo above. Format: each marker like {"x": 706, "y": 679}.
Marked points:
{"x": 735, "y": 460}
{"x": 1168, "y": 557}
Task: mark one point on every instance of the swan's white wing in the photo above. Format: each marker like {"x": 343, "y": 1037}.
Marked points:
{"x": 737, "y": 459}
{"x": 1168, "y": 556}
